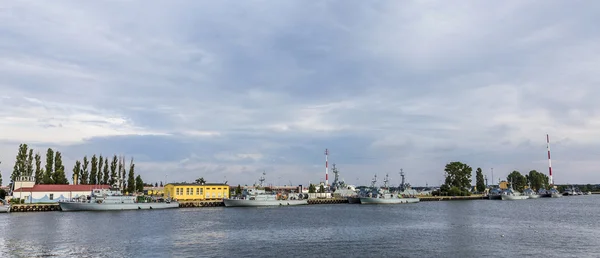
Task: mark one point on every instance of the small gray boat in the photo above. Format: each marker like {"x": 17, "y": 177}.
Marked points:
{"x": 384, "y": 196}
{"x": 4, "y": 207}
{"x": 257, "y": 197}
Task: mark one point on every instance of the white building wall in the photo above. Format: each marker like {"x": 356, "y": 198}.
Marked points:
{"x": 48, "y": 197}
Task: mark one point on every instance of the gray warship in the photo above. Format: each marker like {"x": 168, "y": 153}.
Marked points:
{"x": 259, "y": 197}
{"x": 384, "y": 196}
{"x": 112, "y": 200}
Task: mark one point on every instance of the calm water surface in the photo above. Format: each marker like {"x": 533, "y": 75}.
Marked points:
{"x": 565, "y": 227}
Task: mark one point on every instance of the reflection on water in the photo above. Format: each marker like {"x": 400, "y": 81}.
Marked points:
{"x": 439, "y": 229}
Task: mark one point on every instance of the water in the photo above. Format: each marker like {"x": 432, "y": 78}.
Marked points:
{"x": 546, "y": 227}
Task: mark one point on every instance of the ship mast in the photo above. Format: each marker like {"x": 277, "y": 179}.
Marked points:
{"x": 385, "y": 181}
{"x": 402, "y": 185}
{"x": 262, "y": 179}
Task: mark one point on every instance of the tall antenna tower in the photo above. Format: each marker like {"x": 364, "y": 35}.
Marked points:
{"x": 549, "y": 160}
{"x": 262, "y": 179}
{"x": 326, "y": 168}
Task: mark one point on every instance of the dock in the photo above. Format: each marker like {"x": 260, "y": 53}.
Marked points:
{"x": 34, "y": 207}
{"x": 327, "y": 201}
{"x": 451, "y": 198}
{"x": 197, "y": 204}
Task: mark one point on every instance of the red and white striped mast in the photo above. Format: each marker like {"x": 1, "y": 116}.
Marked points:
{"x": 326, "y": 168}
{"x": 549, "y": 160}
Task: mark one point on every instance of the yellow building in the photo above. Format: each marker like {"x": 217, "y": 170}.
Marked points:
{"x": 196, "y": 192}
{"x": 503, "y": 185}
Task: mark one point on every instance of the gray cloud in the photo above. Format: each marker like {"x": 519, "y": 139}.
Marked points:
{"x": 231, "y": 89}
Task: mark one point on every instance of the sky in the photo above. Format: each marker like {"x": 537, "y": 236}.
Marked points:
{"x": 227, "y": 90}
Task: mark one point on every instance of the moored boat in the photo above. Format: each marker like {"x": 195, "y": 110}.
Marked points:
{"x": 531, "y": 194}
{"x": 384, "y": 196}
{"x": 113, "y": 200}
{"x": 511, "y": 194}
{"x": 259, "y": 197}
{"x": 4, "y": 206}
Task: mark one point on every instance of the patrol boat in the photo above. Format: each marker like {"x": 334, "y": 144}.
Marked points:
{"x": 384, "y": 196}
{"x": 112, "y": 200}
{"x": 259, "y": 197}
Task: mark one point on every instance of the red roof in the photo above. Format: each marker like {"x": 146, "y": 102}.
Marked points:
{"x": 62, "y": 188}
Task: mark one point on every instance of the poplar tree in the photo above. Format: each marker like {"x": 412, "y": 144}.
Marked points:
{"x": 30, "y": 163}
{"x": 84, "y": 171}
{"x": 49, "y": 171}
{"x": 139, "y": 184}
{"x": 59, "y": 176}
{"x": 20, "y": 168}
{"x": 100, "y": 163}
{"x": 113, "y": 171}
{"x": 94, "y": 170}
{"x": 39, "y": 172}
{"x": 131, "y": 178}
{"x": 0, "y": 175}
{"x": 105, "y": 174}
{"x": 120, "y": 177}
{"x": 76, "y": 171}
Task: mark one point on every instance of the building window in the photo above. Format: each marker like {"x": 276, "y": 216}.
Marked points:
{"x": 197, "y": 191}
{"x": 201, "y": 191}
{"x": 219, "y": 195}
{"x": 51, "y": 196}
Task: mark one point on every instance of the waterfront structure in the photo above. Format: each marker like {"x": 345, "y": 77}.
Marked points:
{"x": 25, "y": 188}
{"x": 112, "y": 199}
{"x": 196, "y": 192}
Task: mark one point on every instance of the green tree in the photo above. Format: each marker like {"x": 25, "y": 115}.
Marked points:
{"x": 131, "y": 178}
{"x": 105, "y": 174}
{"x": 517, "y": 181}
{"x": 84, "y": 179}
{"x": 139, "y": 184}
{"x": 20, "y": 168}
{"x": 1, "y": 176}
{"x": 94, "y": 170}
{"x": 479, "y": 181}
{"x": 537, "y": 180}
{"x": 76, "y": 171}
{"x": 200, "y": 181}
{"x": 458, "y": 174}
{"x": 30, "y": 163}
{"x": 49, "y": 171}
{"x": 321, "y": 189}
{"x": 113, "y": 171}
{"x": 39, "y": 172}
{"x": 120, "y": 176}
{"x": 59, "y": 176}
{"x": 100, "y": 174}
{"x": 238, "y": 190}
{"x": 312, "y": 188}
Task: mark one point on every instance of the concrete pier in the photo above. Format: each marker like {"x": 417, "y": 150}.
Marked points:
{"x": 328, "y": 201}
{"x": 451, "y": 198}
{"x": 34, "y": 207}
{"x": 194, "y": 204}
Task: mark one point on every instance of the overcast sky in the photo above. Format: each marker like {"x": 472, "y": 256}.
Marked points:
{"x": 228, "y": 89}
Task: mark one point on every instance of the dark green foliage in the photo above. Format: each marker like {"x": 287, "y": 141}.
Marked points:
{"x": 479, "y": 180}
{"x": 59, "y": 176}
{"x": 537, "y": 180}
{"x": 120, "y": 175}
{"x": 1, "y": 178}
{"x": 139, "y": 184}
{"x": 312, "y": 188}
{"x": 161, "y": 184}
{"x": 39, "y": 171}
{"x": 100, "y": 163}
{"x": 200, "y": 181}
{"x": 20, "y": 167}
{"x": 106, "y": 172}
{"x": 76, "y": 171}
{"x": 113, "y": 171}
{"x": 84, "y": 177}
{"x": 29, "y": 164}
{"x": 238, "y": 190}
{"x": 516, "y": 180}
{"x": 94, "y": 170}
{"x": 49, "y": 171}
{"x": 131, "y": 178}
{"x": 321, "y": 189}
{"x": 2, "y": 192}
{"x": 458, "y": 174}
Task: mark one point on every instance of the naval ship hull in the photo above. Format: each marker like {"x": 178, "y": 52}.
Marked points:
{"x": 353, "y": 200}
{"x": 514, "y": 197}
{"x": 81, "y": 206}
{"x": 370, "y": 200}
{"x": 259, "y": 203}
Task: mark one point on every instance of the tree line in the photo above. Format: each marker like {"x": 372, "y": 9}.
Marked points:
{"x": 458, "y": 179}
{"x": 86, "y": 172}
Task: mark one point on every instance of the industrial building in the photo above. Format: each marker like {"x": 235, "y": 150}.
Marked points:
{"x": 196, "y": 192}
{"x": 26, "y": 189}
